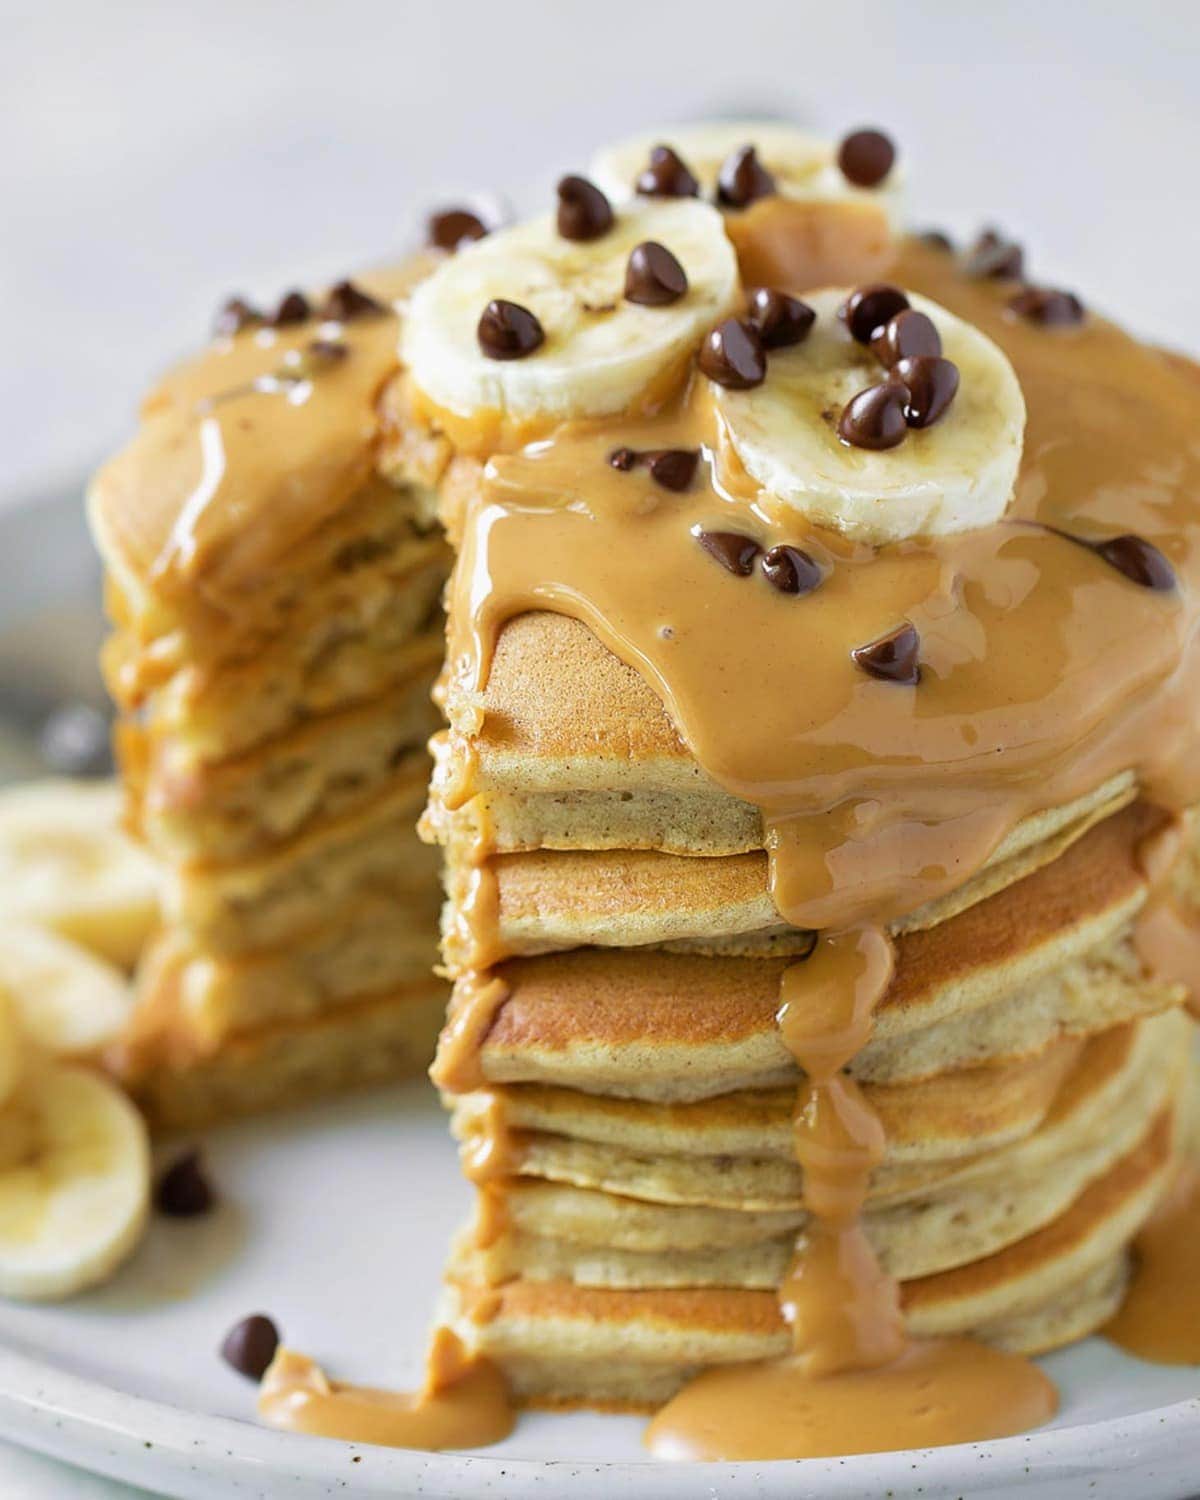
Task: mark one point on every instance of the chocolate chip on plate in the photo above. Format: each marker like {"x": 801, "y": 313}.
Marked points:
{"x": 250, "y": 1345}
{"x": 449, "y": 228}
{"x": 736, "y": 553}
{"x": 234, "y": 315}
{"x": 743, "y": 179}
{"x": 995, "y": 257}
{"x": 875, "y": 417}
{"x": 866, "y": 157}
{"x": 653, "y": 277}
{"x": 506, "y": 330}
{"x": 584, "y": 213}
{"x": 293, "y": 308}
{"x": 344, "y": 302}
{"x": 893, "y": 657}
{"x": 1048, "y": 306}
{"x": 790, "y": 569}
{"x": 906, "y": 335}
{"x": 779, "y": 320}
{"x": 868, "y": 309}
{"x": 673, "y": 468}
{"x": 931, "y": 383}
{"x": 184, "y": 1191}
{"x": 732, "y": 355}
{"x": 666, "y": 176}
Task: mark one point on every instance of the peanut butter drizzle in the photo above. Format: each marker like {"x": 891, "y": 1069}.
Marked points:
{"x": 464, "y": 1402}
{"x": 797, "y": 242}
{"x": 1160, "y": 1317}
{"x": 936, "y": 1393}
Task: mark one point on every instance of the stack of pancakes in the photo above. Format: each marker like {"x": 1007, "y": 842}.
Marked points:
{"x": 625, "y": 1102}
{"x": 277, "y": 630}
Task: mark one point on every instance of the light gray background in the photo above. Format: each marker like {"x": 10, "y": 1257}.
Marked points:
{"x": 155, "y": 157}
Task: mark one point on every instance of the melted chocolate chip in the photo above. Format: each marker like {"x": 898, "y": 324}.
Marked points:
{"x": 779, "y": 320}
{"x": 234, "y": 315}
{"x": 867, "y": 310}
{"x": 250, "y": 1345}
{"x": 743, "y": 179}
{"x": 1047, "y": 306}
{"x": 994, "y": 257}
{"x": 893, "y": 657}
{"x": 667, "y": 176}
{"x": 937, "y": 239}
{"x": 506, "y": 330}
{"x": 673, "y": 468}
{"x": 184, "y": 1191}
{"x": 866, "y": 157}
{"x": 790, "y": 570}
{"x": 451, "y": 227}
{"x": 293, "y": 308}
{"x": 732, "y": 355}
{"x": 318, "y": 355}
{"x": 875, "y": 417}
{"x": 584, "y": 213}
{"x": 931, "y": 383}
{"x": 653, "y": 277}
{"x": 623, "y": 459}
{"x": 345, "y": 302}
{"x": 905, "y": 336}
{"x": 1140, "y": 561}
{"x": 736, "y": 553}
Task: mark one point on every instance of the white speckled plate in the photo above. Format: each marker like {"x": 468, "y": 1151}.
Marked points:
{"x": 335, "y": 1219}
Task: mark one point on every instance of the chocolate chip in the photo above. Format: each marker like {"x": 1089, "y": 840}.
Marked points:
{"x": 506, "y": 330}
{"x": 736, "y": 553}
{"x": 994, "y": 257}
{"x": 931, "y": 383}
{"x": 234, "y": 315}
{"x": 743, "y": 179}
{"x": 250, "y": 1345}
{"x": 345, "y": 302}
{"x": 779, "y": 320}
{"x": 623, "y": 459}
{"x": 867, "y": 309}
{"x": 584, "y": 213}
{"x": 790, "y": 570}
{"x": 673, "y": 468}
{"x": 893, "y": 657}
{"x": 184, "y": 1191}
{"x": 317, "y": 355}
{"x": 905, "y": 336}
{"x": 653, "y": 277}
{"x": 451, "y": 227}
{"x": 667, "y": 176}
{"x": 875, "y": 417}
{"x": 866, "y": 157}
{"x": 1139, "y": 560}
{"x": 936, "y": 239}
{"x": 1047, "y": 306}
{"x": 732, "y": 354}
{"x": 293, "y": 308}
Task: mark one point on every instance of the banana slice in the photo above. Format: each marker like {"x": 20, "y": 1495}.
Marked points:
{"x": 600, "y": 350}
{"x": 74, "y": 1182}
{"x": 813, "y": 227}
{"x": 66, "y": 864}
{"x": 951, "y": 476}
{"x": 69, "y": 1002}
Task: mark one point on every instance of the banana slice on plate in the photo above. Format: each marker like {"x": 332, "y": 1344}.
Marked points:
{"x": 68, "y": 1002}
{"x": 66, "y": 864}
{"x": 74, "y": 1182}
{"x": 603, "y": 331}
{"x": 954, "y": 474}
{"x": 796, "y": 218}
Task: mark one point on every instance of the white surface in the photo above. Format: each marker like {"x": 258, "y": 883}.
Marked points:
{"x": 155, "y": 157}
{"x": 334, "y": 1221}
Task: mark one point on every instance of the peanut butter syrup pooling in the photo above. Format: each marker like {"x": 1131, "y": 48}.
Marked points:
{"x": 1045, "y": 672}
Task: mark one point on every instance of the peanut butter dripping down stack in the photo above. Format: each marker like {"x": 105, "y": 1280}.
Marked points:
{"x": 820, "y": 682}
{"x": 277, "y": 630}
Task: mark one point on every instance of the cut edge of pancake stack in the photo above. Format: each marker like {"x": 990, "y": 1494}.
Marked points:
{"x": 277, "y": 630}
{"x": 616, "y": 1076}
